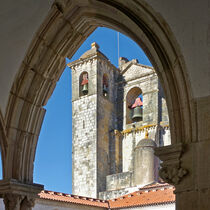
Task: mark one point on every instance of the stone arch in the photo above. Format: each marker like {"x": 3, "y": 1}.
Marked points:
{"x": 131, "y": 96}
{"x": 3, "y": 142}
{"x": 66, "y": 27}
{"x": 81, "y": 78}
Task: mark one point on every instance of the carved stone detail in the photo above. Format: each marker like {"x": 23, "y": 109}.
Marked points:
{"x": 27, "y": 203}
{"x": 12, "y": 201}
{"x": 172, "y": 175}
{"x": 18, "y": 202}
{"x": 18, "y": 195}
{"x": 171, "y": 171}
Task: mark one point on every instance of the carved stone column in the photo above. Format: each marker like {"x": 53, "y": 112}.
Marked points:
{"x": 18, "y": 195}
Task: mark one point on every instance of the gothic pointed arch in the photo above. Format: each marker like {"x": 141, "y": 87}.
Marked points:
{"x": 3, "y": 142}
{"x": 65, "y": 28}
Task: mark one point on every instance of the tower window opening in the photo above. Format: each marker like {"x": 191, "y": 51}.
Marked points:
{"x": 83, "y": 84}
{"x": 137, "y": 109}
{"x": 134, "y": 106}
{"x": 105, "y": 85}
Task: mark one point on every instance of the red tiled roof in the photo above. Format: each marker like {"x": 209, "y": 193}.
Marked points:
{"x": 155, "y": 194}
{"x": 50, "y": 195}
{"x": 147, "y": 196}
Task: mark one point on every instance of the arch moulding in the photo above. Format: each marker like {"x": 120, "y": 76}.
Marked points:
{"x": 65, "y": 28}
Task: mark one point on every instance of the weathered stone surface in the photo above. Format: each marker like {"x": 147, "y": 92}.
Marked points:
{"x": 93, "y": 124}
{"x": 119, "y": 181}
{"x": 103, "y": 158}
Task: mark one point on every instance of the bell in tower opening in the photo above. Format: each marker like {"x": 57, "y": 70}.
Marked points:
{"x": 137, "y": 109}
{"x": 84, "y": 84}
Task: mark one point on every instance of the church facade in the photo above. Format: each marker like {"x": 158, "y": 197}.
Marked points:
{"x": 119, "y": 116}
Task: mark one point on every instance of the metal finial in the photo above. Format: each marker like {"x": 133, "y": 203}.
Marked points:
{"x": 146, "y": 134}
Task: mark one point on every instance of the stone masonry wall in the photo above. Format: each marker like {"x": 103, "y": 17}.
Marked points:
{"x": 105, "y": 123}
{"x": 122, "y": 183}
{"x": 119, "y": 181}
{"x": 147, "y": 80}
{"x": 130, "y": 141}
{"x": 96, "y": 166}
{"x": 84, "y": 145}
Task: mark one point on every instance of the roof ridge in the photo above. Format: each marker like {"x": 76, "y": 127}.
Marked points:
{"x": 71, "y": 195}
{"x": 153, "y": 195}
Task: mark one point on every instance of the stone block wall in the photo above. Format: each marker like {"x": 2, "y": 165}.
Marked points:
{"x": 107, "y": 195}
{"x": 84, "y": 122}
{"x": 119, "y": 181}
{"x": 84, "y": 146}
{"x": 131, "y": 137}
{"x": 89, "y": 66}
{"x": 129, "y": 142}
{"x": 106, "y": 116}
{"x": 103, "y": 161}
{"x": 94, "y": 120}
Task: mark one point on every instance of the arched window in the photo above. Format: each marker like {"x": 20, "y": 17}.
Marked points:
{"x": 83, "y": 84}
{"x": 134, "y": 105}
{"x": 105, "y": 86}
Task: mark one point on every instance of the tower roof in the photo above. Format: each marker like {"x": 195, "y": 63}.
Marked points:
{"x": 94, "y": 50}
{"x": 146, "y": 142}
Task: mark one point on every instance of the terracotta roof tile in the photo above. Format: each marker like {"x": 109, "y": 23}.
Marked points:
{"x": 50, "y": 195}
{"x": 153, "y": 195}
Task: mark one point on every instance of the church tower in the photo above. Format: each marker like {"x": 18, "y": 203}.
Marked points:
{"x": 93, "y": 120}
{"x": 119, "y": 116}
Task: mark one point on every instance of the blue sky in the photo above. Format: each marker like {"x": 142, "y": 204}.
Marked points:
{"x": 53, "y": 161}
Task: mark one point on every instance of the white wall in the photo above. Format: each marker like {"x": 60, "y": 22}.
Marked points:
{"x": 42, "y": 204}
{"x": 54, "y": 205}
{"x": 159, "y": 207}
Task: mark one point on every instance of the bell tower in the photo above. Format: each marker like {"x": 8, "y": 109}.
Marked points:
{"x": 93, "y": 120}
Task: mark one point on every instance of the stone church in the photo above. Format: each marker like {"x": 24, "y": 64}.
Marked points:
{"x": 37, "y": 36}
{"x": 119, "y": 116}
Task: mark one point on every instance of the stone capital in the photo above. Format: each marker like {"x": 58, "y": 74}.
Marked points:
{"x": 27, "y": 203}
{"x": 18, "y": 202}
{"x": 12, "y": 201}
{"x": 18, "y": 195}
{"x": 171, "y": 171}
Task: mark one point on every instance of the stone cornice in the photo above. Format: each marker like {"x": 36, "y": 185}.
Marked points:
{"x": 142, "y": 128}
{"x": 19, "y": 188}
{"x": 138, "y": 129}
{"x": 92, "y": 57}
{"x": 141, "y": 77}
